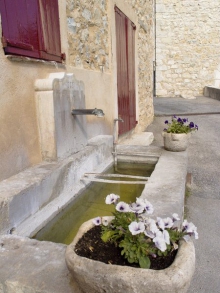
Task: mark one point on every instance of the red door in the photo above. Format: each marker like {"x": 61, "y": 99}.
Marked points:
{"x": 125, "y": 46}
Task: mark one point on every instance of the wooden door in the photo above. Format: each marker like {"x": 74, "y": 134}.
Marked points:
{"x": 125, "y": 46}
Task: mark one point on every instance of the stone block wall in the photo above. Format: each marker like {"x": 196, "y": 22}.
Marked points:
{"x": 187, "y": 46}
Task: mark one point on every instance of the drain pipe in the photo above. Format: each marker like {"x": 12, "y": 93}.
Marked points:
{"x": 115, "y": 139}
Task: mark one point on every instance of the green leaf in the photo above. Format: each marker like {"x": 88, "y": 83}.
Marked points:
{"x": 131, "y": 260}
{"x": 107, "y": 235}
{"x": 159, "y": 253}
{"x": 144, "y": 262}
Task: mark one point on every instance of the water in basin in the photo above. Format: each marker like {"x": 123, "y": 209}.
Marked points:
{"x": 91, "y": 203}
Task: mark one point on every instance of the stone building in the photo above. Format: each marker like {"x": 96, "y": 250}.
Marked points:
{"x": 187, "y": 47}
{"x": 88, "y": 51}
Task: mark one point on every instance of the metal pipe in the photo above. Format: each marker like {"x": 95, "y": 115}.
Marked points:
{"x": 112, "y": 181}
{"x": 96, "y": 112}
{"x": 114, "y": 176}
{"x": 115, "y": 139}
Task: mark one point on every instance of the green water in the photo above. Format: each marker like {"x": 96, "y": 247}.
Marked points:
{"x": 91, "y": 203}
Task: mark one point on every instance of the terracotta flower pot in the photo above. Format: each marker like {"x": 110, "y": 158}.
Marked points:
{"x": 176, "y": 142}
{"x": 97, "y": 277}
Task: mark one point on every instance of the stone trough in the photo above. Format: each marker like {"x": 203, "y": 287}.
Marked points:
{"x": 165, "y": 189}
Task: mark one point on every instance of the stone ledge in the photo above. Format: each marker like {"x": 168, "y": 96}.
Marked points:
{"x": 138, "y": 139}
{"x": 165, "y": 188}
{"x": 212, "y": 92}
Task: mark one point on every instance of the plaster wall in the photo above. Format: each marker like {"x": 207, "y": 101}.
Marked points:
{"x": 19, "y": 140}
{"x": 187, "y": 47}
{"x": 19, "y": 144}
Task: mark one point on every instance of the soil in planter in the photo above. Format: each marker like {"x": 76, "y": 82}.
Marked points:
{"x": 92, "y": 247}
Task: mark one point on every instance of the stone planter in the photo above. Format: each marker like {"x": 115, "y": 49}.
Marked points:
{"x": 176, "y": 142}
{"x": 97, "y": 277}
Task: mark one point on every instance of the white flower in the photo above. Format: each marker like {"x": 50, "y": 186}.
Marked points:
{"x": 136, "y": 228}
{"x": 196, "y": 235}
{"x": 97, "y": 221}
{"x": 160, "y": 223}
{"x": 149, "y": 234}
{"x": 105, "y": 221}
{"x": 190, "y": 229}
{"x": 137, "y": 208}
{"x": 166, "y": 236}
{"x": 140, "y": 200}
{"x": 159, "y": 241}
{"x": 111, "y": 198}
{"x": 185, "y": 224}
{"x": 146, "y": 204}
{"x": 168, "y": 222}
{"x": 149, "y": 207}
{"x": 152, "y": 228}
{"x": 122, "y": 207}
{"x": 175, "y": 217}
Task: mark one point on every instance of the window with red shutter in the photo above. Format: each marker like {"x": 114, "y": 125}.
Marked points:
{"x": 31, "y": 28}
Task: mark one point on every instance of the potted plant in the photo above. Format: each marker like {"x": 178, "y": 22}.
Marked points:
{"x": 140, "y": 238}
{"x": 177, "y": 133}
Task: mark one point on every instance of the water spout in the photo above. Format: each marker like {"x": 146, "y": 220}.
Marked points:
{"x": 96, "y": 112}
{"x": 115, "y": 139}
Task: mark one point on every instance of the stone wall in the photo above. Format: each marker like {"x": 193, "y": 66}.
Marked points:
{"x": 87, "y": 23}
{"x": 187, "y": 46}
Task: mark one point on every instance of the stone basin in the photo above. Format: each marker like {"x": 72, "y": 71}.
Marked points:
{"x": 97, "y": 277}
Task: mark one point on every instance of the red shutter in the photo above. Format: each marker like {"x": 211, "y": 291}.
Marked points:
{"x": 31, "y": 28}
{"x": 50, "y": 30}
{"x": 19, "y": 25}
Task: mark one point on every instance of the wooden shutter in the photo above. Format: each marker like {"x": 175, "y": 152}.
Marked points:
{"x": 125, "y": 47}
{"x": 31, "y": 28}
{"x": 50, "y": 30}
{"x": 19, "y": 26}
